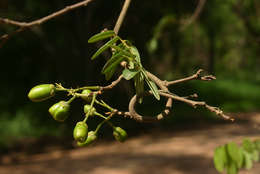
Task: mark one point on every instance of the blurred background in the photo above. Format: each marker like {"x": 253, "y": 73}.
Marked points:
{"x": 224, "y": 41}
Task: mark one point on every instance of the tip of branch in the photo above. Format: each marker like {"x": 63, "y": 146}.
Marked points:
{"x": 208, "y": 78}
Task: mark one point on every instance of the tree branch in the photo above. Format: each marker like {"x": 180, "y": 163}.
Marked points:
{"x": 195, "y": 15}
{"x": 112, "y": 85}
{"x": 121, "y": 16}
{"x": 196, "y": 76}
{"x": 25, "y": 25}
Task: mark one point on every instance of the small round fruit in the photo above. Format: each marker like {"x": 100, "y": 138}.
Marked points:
{"x": 92, "y": 136}
{"x": 87, "y": 96}
{"x": 60, "y": 111}
{"x": 91, "y": 111}
{"x": 42, "y": 92}
{"x": 80, "y": 132}
{"x": 120, "y": 134}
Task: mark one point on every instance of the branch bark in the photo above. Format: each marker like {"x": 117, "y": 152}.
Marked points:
{"x": 25, "y": 25}
{"x": 122, "y": 16}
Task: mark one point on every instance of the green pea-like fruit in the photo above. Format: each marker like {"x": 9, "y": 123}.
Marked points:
{"x": 87, "y": 108}
{"x": 92, "y": 136}
{"x": 60, "y": 111}
{"x": 119, "y": 134}
{"x": 87, "y": 96}
{"x": 80, "y": 132}
{"x": 42, "y": 92}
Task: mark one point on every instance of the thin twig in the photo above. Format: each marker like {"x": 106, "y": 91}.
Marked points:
{"x": 25, "y": 25}
{"x": 195, "y": 15}
{"x": 121, "y": 16}
{"x": 195, "y": 104}
{"x": 112, "y": 85}
{"x": 196, "y": 76}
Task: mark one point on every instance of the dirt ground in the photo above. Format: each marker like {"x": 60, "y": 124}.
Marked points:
{"x": 180, "y": 152}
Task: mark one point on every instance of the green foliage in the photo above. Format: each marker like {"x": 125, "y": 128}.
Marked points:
{"x": 233, "y": 158}
{"x": 220, "y": 158}
{"x": 101, "y": 36}
{"x": 125, "y": 51}
{"x": 105, "y": 47}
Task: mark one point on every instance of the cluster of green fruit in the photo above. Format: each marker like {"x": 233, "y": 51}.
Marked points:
{"x": 60, "y": 112}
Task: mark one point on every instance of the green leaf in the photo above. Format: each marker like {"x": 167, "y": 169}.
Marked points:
{"x": 111, "y": 61}
{"x": 129, "y": 74}
{"x": 232, "y": 168}
{"x": 248, "y": 163}
{"x": 104, "y": 47}
{"x": 151, "y": 85}
{"x": 248, "y": 145}
{"x": 139, "y": 86}
{"x": 101, "y": 36}
{"x": 131, "y": 65}
{"x": 113, "y": 65}
{"x": 234, "y": 152}
{"x": 240, "y": 162}
{"x": 110, "y": 73}
{"x": 124, "y": 50}
{"x": 153, "y": 88}
{"x": 135, "y": 52}
{"x": 255, "y": 156}
{"x": 257, "y": 144}
{"x": 220, "y": 158}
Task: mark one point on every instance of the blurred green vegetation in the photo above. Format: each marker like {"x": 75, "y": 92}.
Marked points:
{"x": 224, "y": 41}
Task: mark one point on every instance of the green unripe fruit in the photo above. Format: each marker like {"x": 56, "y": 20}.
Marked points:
{"x": 120, "y": 134}
{"x": 91, "y": 111}
{"x": 60, "y": 111}
{"x": 87, "y": 98}
{"x": 42, "y": 92}
{"x": 92, "y": 136}
{"x": 80, "y": 132}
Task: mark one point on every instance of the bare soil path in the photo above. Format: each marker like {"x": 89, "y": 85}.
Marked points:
{"x": 181, "y": 152}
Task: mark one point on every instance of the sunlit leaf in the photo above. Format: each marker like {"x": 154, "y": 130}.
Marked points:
{"x": 220, "y": 158}
{"x": 232, "y": 168}
{"x": 129, "y": 74}
{"x": 248, "y": 162}
{"x": 104, "y": 47}
{"x": 135, "y": 52}
{"x": 240, "y": 162}
{"x": 255, "y": 156}
{"x": 248, "y": 145}
{"x": 101, "y": 36}
{"x": 234, "y": 152}
{"x": 131, "y": 65}
{"x": 257, "y": 144}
